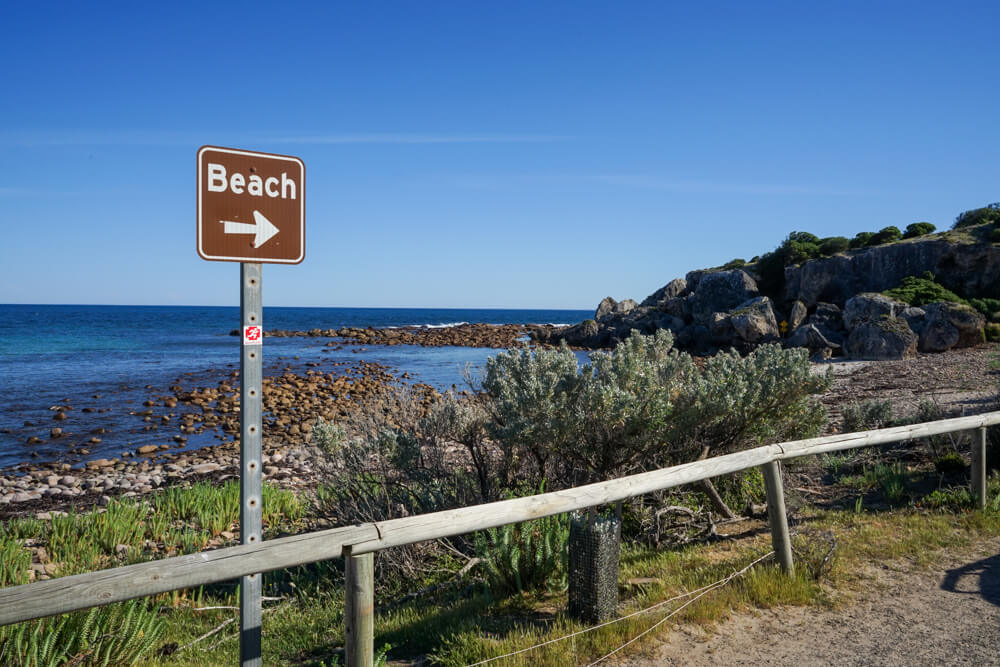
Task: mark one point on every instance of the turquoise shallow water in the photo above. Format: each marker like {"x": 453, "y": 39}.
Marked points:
{"x": 57, "y": 355}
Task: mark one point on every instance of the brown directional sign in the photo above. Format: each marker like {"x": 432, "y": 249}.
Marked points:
{"x": 251, "y": 206}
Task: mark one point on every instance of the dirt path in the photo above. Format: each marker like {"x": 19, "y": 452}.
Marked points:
{"x": 946, "y": 615}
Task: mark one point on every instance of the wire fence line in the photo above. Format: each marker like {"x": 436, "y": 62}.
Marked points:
{"x": 697, "y": 593}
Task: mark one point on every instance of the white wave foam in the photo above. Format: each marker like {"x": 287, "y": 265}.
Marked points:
{"x": 447, "y": 325}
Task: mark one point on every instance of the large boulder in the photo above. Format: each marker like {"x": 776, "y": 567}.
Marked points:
{"x": 609, "y": 308}
{"x": 883, "y": 339}
{"x": 676, "y": 306}
{"x": 675, "y": 288}
{"x": 721, "y": 291}
{"x": 605, "y": 308}
{"x": 829, "y": 319}
{"x": 808, "y": 336}
{"x": 948, "y": 325}
{"x": 915, "y": 317}
{"x": 670, "y": 323}
{"x": 797, "y": 316}
{"x": 625, "y": 306}
{"x": 586, "y": 334}
{"x": 720, "y": 329}
{"x": 754, "y": 321}
{"x": 692, "y": 278}
{"x": 870, "y": 306}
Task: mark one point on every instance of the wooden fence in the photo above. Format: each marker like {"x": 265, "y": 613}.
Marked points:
{"x": 358, "y": 543}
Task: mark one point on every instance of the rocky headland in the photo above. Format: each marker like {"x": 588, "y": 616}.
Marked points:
{"x": 834, "y": 306}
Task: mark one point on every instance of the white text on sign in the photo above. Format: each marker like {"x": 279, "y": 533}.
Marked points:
{"x": 253, "y": 185}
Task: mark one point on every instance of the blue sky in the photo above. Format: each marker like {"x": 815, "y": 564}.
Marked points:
{"x": 482, "y": 154}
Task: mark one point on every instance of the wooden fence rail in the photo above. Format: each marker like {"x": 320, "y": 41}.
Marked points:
{"x": 66, "y": 594}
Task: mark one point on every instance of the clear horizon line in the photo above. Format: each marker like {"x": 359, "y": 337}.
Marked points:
{"x": 236, "y": 305}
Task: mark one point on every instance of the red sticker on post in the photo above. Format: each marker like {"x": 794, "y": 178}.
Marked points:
{"x": 253, "y": 335}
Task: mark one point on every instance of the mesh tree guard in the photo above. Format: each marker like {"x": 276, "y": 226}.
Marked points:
{"x": 594, "y": 546}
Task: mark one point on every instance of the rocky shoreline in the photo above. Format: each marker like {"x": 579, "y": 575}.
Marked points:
{"x": 42, "y": 490}
{"x": 292, "y": 404}
{"x": 500, "y": 336}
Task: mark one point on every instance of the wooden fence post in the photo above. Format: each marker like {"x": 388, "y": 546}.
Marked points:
{"x": 359, "y": 601}
{"x": 979, "y": 468}
{"x": 780, "y": 539}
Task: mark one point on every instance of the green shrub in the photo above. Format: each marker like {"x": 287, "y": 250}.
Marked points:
{"x": 525, "y": 556}
{"x": 949, "y": 462}
{"x": 329, "y": 437}
{"x": 918, "y": 291}
{"x": 833, "y": 245}
{"x": 989, "y": 308}
{"x": 995, "y": 234}
{"x": 892, "y": 481}
{"x": 861, "y": 240}
{"x": 978, "y": 216}
{"x": 954, "y": 499}
{"x": 770, "y": 273}
{"x": 886, "y": 235}
{"x": 796, "y": 252}
{"x": 918, "y": 229}
{"x": 797, "y": 247}
{"x": 992, "y": 332}
{"x": 734, "y": 264}
{"x": 867, "y": 415}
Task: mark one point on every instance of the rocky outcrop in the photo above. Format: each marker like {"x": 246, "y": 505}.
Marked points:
{"x": 754, "y": 321}
{"x": 833, "y": 305}
{"x": 972, "y": 269}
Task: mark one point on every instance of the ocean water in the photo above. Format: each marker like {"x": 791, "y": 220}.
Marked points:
{"x": 112, "y": 358}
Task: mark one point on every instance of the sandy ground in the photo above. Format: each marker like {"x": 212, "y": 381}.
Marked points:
{"x": 945, "y": 615}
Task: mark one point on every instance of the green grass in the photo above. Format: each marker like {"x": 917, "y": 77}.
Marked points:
{"x": 176, "y": 521}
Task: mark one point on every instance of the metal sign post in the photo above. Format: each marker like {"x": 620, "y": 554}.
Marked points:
{"x": 251, "y": 491}
{"x": 250, "y": 209}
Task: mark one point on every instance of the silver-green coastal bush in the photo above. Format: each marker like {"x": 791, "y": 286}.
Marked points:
{"x": 645, "y": 405}
{"x": 542, "y": 417}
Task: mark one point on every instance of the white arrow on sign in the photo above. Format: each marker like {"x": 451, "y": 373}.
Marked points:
{"x": 261, "y": 228}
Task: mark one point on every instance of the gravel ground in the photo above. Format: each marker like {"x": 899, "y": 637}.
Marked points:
{"x": 946, "y": 615}
{"x": 960, "y": 380}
